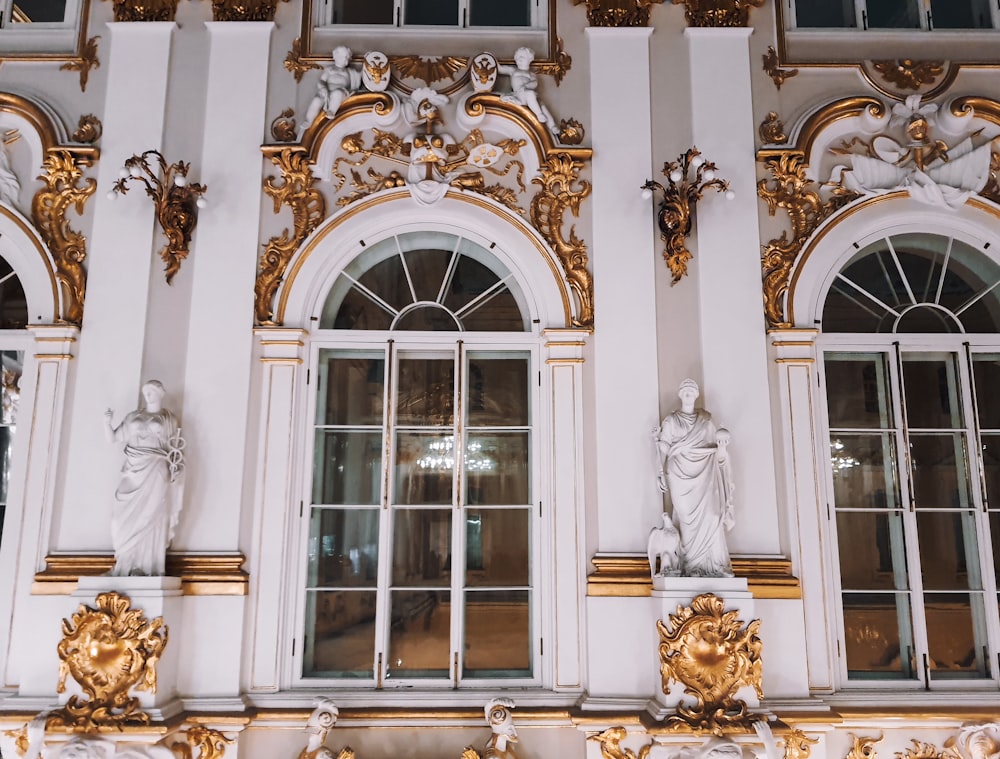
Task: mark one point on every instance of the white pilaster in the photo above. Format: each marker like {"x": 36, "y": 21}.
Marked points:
{"x": 121, "y": 257}
{"x": 217, "y": 372}
{"x": 625, "y": 370}
{"x": 727, "y": 257}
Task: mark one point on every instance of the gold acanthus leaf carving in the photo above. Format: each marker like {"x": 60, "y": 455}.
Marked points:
{"x": 108, "y": 650}
{"x": 62, "y": 191}
{"x": 907, "y": 74}
{"x": 428, "y": 68}
{"x": 210, "y": 744}
{"x": 283, "y": 126}
{"x": 920, "y": 750}
{"x": 789, "y": 188}
{"x": 864, "y": 747}
{"x": 718, "y": 13}
{"x": 562, "y": 190}
{"x": 295, "y": 190}
{"x": 87, "y": 61}
{"x": 772, "y": 130}
{"x": 798, "y": 745}
{"x": 88, "y": 129}
{"x": 773, "y": 68}
{"x": 712, "y": 654}
{"x": 294, "y": 62}
{"x": 21, "y": 739}
{"x": 557, "y": 68}
{"x": 611, "y": 747}
{"x": 145, "y": 10}
{"x": 244, "y": 10}
{"x": 618, "y": 13}
{"x": 571, "y": 131}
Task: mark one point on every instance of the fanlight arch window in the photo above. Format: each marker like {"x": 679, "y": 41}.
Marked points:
{"x": 421, "y": 536}
{"x": 911, "y": 363}
{"x": 13, "y": 319}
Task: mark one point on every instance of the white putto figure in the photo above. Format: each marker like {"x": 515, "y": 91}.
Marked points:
{"x": 523, "y": 85}
{"x": 335, "y": 84}
{"x": 700, "y": 484}
{"x": 148, "y": 498}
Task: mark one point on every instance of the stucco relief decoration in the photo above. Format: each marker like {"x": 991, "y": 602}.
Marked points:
{"x": 611, "y": 748}
{"x": 198, "y": 742}
{"x": 712, "y": 653}
{"x": 772, "y": 130}
{"x": 10, "y": 185}
{"x": 321, "y": 721}
{"x": 61, "y": 191}
{"x": 108, "y": 650}
{"x": 88, "y": 129}
{"x": 145, "y": 10}
{"x": 863, "y": 747}
{"x": 908, "y": 74}
{"x": 618, "y": 13}
{"x": 87, "y": 59}
{"x": 500, "y": 744}
{"x": 772, "y": 67}
{"x": 244, "y": 10}
{"x": 719, "y": 13}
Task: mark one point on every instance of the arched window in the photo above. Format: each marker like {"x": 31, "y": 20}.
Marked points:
{"x": 420, "y": 559}
{"x": 13, "y": 319}
{"x": 911, "y": 362}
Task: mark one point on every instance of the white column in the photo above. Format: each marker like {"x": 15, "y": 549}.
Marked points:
{"x": 727, "y": 259}
{"x": 119, "y": 264}
{"x": 795, "y": 360}
{"x": 625, "y": 369}
{"x": 36, "y": 460}
{"x": 280, "y": 364}
{"x": 217, "y": 372}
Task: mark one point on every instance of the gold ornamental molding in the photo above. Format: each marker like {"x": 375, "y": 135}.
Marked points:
{"x": 244, "y": 10}
{"x": 85, "y": 61}
{"x": 618, "y": 13}
{"x": 772, "y": 130}
{"x": 718, "y": 13}
{"x": 796, "y": 744}
{"x": 712, "y": 653}
{"x": 108, "y": 651}
{"x": 628, "y": 575}
{"x": 201, "y": 574}
{"x": 773, "y": 69}
{"x": 145, "y": 10}
{"x": 88, "y": 129}
{"x": 48, "y": 132}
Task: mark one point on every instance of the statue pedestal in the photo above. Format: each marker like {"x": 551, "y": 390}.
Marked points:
{"x": 674, "y": 592}
{"x": 155, "y": 597}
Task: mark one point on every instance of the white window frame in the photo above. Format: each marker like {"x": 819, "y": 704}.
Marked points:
{"x": 924, "y": 13}
{"x": 323, "y": 10}
{"x": 22, "y": 39}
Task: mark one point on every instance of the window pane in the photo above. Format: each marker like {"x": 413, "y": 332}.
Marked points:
{"x": 358, "y": 311}
{"x": 864, "y": 471}
{"x": 470, "y": 280}
{"x": 857, "y": 391}
{"x": 343, "y": 548}
{"x": 426, "y": 392}
{"x": 350, "y": 389}
{"x": 38, "y": 11}
{"x": 939, "y": 471}
{"x": 961, "y": 14}
{"x": 986, "y": 376}
{"x": 436, "y": 12}
{"x": 931, "y": 393}
{"x": 421, "y": 548}
{"x": 949, "y": 554}
{"x": 420, "y": 634}
{"x": 500, "y": 13}
{"x": 425, "y": 464}
{"x": 340, "y": 634}
{"x": 498, "y": 391}
{"x": 362, "y": 11}
{"x": 497, "y": 634}
{"x": 893, "y": 14}
{"x": 879, "y": 637}
{"x": 496, "y": 468}
{"x": 872, "y": 551}
{"x": 500, "y": 313}
{"x": 387, "y": 280}
{"x": 427, "y": 319}
{"x": 956, "y": 635}
{"x": 13, "y": 303}
{"x": 347, "y": 467}
{"x": 498, "y": 547}
{"x": 824, "y": 13}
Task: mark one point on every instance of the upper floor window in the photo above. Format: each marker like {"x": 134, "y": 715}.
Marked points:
{"x": 895, "y": 14}
{"x": 441, "y": 13}
{"x": 13, "y": 316}
{"x": 33, "y": 26}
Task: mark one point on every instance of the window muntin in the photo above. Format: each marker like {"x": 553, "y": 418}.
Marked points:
{"x": 894, "y": 14}
{"x": 11, "y": 364}
{"x": 442, "y": 13}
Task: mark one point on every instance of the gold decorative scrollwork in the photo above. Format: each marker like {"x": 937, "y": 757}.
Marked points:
{"x": 294, "y": 62}
{"x": 308, "y": 206}
{"x": 907, "y": 74}
{"x": 772, "y": 67}
{"x": 712, "y": 654}
{"x": 21, "y": 740}
{"x": 863, "y": 748}
{"x": 571, "y": 132}
{"x": 283, "y": 126}
{"x": 562, "y": 190}
{"x": 145, "y": 10}
{"x": 618, "y": 13}
{"x": 428, "y": 68}
{"x": 108, "y": 651}
{"x": 211, "y": 744}
{"x": 789, "y": 188}
{"x": 798, "y": 745}
{"x": 88, "y": 129}
{"x": 611, "y": 748}
{"x": 244, "y": 10}
{"x": 561, "y": 63}
{"x": 62, "y": 191}
{"x": 772, "y": 130}
{"x": 87, "y": 60}
{"x": 920, "y": 750}
{"x": 723, "y": 13}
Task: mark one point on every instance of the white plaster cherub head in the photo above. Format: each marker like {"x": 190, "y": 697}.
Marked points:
{"x": 523, "y": 57}
{"x": 341, "y": 56}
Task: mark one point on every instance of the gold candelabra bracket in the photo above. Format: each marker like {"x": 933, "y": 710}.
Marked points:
{"x": 688, "y": 178}
{"x": 175, "y": 198}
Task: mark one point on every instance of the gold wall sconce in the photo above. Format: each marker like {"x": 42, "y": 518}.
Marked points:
{"x": 176, "y": 200}
{"x": 680, "y": 196}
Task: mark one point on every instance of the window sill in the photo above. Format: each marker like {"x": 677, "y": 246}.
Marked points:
{"x": 886, "y": 701}
{"x": 412, "y": 703}
{"x": 428, "y": 40}
{"x": 38, "y": 43}
{"x": 854, "y": 45}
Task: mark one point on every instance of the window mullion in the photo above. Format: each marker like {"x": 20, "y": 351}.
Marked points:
{"x": 383, "y": 616}
{"x": 458, "y": 519}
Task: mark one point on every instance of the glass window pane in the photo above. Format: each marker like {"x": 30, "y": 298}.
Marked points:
{"x": 498, "y": 391}
{"x": 986, "y": 376}
{"x": 427, "y": 319}
{"x": 436, "y": 12}
{"x": 11, "y": 363}
{"x": 857, "y": 391}
{"x": 939, "y": 471}
{"x": 421, "y": 548}
{"x": 350, "y": 389}
{"x": 347, "y": 467}
{"x": 500, "y": 313}
{"x": 343, "y": 548}
{"x": 497, "y": 634}
{"x": 995, "y": 543}
{"x": 425, "y": 464}
{"x": 38, "y": 11}
{"x": 498, "y": 547}
{"x": 878, "y": 636}
{"x": 872, "y": 551}
{"x": 961, "y": 14}
{"x": 362, "y": 11}
{"x": 387, "y": 280}
{"x": 956, "y": 635}
{"x": 893, "y": 14}
{"x": 425, "y": 392}
{"x": 824, "y": 13}
{"x": 864, "y": 471}
{"x": 13, "y": 303}
{"x": 428, "y": 268}
{"x": 949, "y": 553}
{"x": 500, "y": 13}
{"x": 358, "y": 311}
{"x": 496, "y": 468}
{"x": 420, "y": 634}
{"x": 340, "y": 634}
{"x": 470, "y": 280}
{"x": 931, "y": 393}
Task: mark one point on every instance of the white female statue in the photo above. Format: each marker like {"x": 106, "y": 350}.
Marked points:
{"x": 148, "y": 498}
{"x": 700, "y": 484}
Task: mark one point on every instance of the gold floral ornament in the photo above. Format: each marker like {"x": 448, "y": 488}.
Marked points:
{"x": 772, "y": 130}
{"x": 680, "y": 197}
{"x": 428, "y": 68}
{"x": 864, "y": 747}
{"x": 560, "y": 64}
{"x": 61, "y": 191}
{"x": 907, "y": 74}
{"x": 611, "y": 748}
{"x": 88, "y": 129}
{"x": 798, "y": 745}
{"x": 145, "y": 10}
{"x": 720, "y": 13}
{"x": 618, "y": 13}
{"x": 87, "y": 61}
{"x": 712, "y": 654}
{"x": 296, "y": 191}
{"x": 244, "y": 10}
{"x": 108, "y": 651}
{"x": 772, "y": 67}
{"x": 176, "y": 200}
{"x": 283, "y": 126}
{"x": 562, "y": 190}
{"x": 295, "y": 64}
{"x": 210, "y": 744}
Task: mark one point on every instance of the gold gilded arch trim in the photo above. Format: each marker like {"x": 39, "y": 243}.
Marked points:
{"x": 375, "y": 201}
